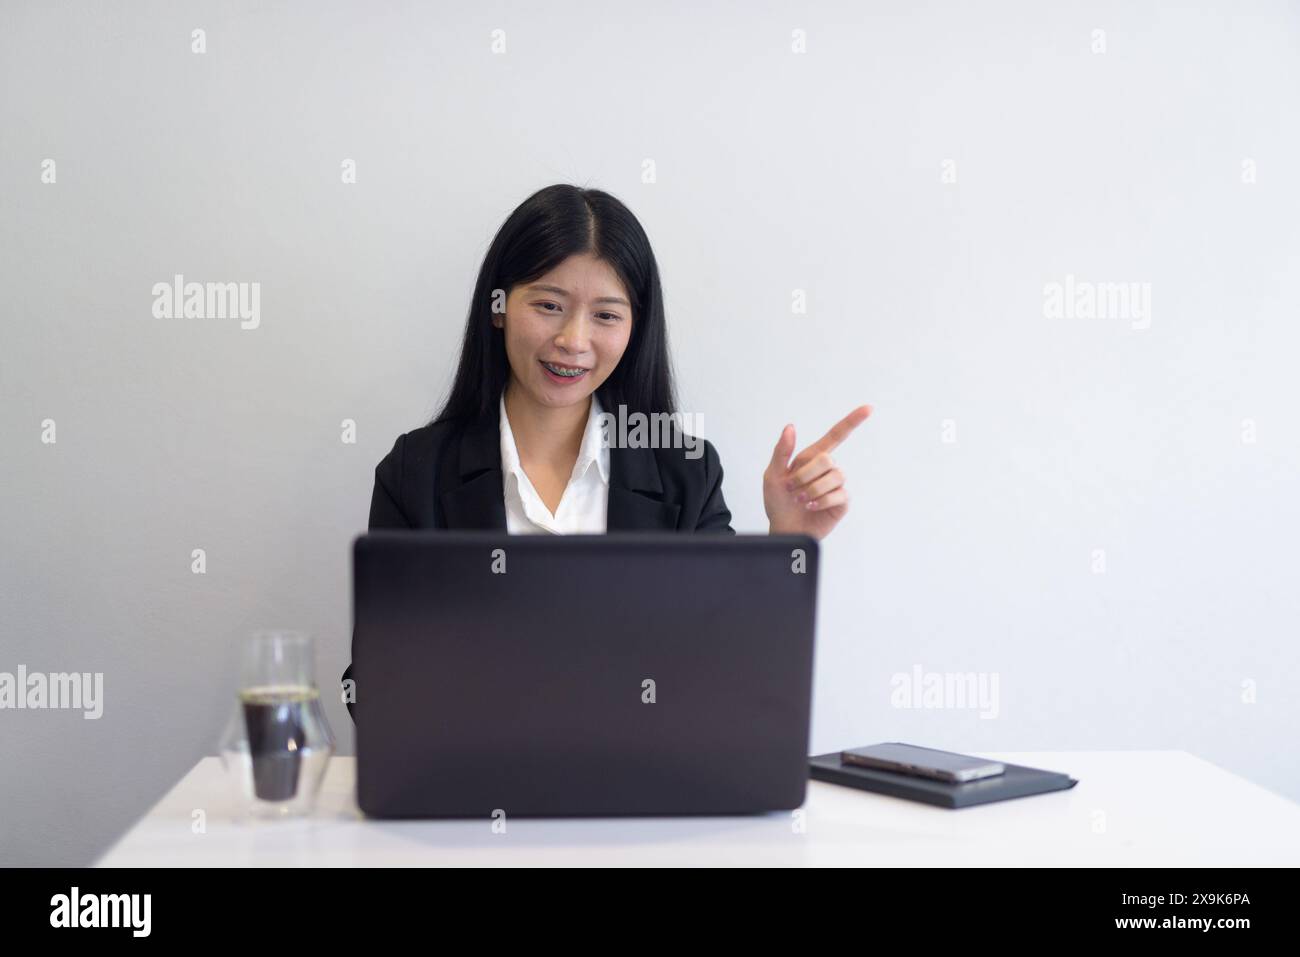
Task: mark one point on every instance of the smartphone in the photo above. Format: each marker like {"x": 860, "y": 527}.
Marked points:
{"x": 923, "y": 762}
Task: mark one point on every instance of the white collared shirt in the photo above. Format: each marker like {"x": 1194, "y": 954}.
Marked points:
{"x": 585, "y": 503}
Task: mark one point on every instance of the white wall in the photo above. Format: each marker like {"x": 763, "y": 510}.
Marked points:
{"x": 776, "y": 171}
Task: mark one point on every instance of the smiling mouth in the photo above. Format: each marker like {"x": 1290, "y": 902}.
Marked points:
{"x": 565, "y": 372}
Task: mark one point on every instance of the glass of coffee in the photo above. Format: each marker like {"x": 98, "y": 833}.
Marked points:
{"x": 278, "y": 742}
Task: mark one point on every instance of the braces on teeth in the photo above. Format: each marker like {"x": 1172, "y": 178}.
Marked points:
{"x": 561, "y": 371}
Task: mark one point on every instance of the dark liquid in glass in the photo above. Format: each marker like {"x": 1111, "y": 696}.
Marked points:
{"x": 275, "y": 720}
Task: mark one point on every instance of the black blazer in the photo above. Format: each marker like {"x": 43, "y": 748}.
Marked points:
{"x": 440, "y": 476}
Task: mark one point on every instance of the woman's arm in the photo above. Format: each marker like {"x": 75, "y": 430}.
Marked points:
{"x": 385, "y": 512}
{"x": 385, "y": 501}
{"x": 714, "y": 516}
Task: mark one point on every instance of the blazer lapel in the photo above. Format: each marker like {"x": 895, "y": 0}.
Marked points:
{"x": 477, "y": 501}
{"x": 635, "y": 493}
{"x": 635, "y": 489}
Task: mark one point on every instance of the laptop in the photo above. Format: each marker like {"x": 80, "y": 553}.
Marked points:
{"x": 630, "y": 673}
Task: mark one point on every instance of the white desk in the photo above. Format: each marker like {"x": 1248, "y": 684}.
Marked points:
{"x": 1130, "y": 808}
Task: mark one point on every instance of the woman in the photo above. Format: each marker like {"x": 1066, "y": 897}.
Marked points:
{"x": 567, "y": 323}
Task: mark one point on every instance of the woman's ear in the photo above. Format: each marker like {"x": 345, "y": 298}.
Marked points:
{"x": 498, "y": 322}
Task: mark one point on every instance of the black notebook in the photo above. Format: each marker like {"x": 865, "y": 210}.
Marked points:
{"x": 1014, "y": 782}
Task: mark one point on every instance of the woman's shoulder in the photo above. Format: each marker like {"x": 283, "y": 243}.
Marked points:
{"x": 689, "y": 460}
{"x": 419, "y": 448}
{"x": 691, "y": 475}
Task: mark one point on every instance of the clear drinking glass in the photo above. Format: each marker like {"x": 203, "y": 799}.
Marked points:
{"x": 277, "y": 743}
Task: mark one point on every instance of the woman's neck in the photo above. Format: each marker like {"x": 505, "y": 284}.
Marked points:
{"x": 545, "y": 434}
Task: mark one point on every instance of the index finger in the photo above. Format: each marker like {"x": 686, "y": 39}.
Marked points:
{"x": 838, "y": 432}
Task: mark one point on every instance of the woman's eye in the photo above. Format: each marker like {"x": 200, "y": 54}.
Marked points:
{"x": 607, "y": 317}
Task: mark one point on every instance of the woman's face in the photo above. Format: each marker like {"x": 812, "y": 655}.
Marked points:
{"x": 577, "y": 316}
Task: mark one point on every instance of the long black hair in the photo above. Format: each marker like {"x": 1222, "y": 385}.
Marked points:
{"x": 548, "y": 227}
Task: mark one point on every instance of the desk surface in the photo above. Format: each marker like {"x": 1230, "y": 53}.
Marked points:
{"x": 1130, "y": 808}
